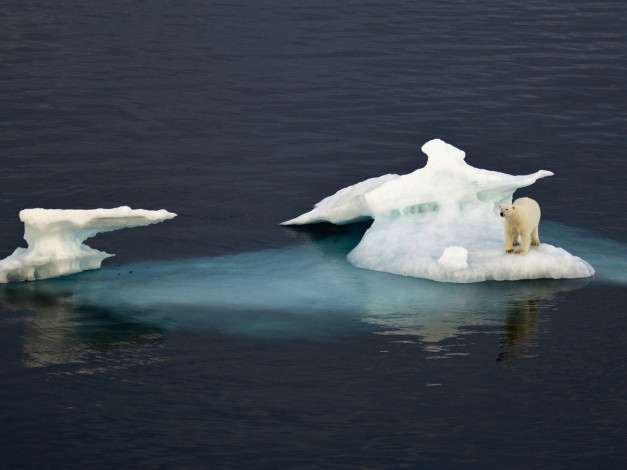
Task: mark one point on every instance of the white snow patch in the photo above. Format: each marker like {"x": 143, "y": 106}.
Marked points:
{"x": 454, "y": 258}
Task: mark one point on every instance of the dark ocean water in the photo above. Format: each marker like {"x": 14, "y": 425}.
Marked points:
{"x": 239, "y": 115}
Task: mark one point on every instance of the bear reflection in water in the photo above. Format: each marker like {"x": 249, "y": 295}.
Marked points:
{"x": 520, "y": 329}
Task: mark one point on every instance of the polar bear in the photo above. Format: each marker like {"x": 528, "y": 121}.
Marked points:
{"x": 521, "y": 218}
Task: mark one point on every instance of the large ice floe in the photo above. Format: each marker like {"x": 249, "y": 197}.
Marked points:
{"x": 441, "y": 222}
{"x": 55, "y": 240}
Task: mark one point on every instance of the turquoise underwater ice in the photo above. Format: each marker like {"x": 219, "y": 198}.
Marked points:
{"x": 309, "y": 290}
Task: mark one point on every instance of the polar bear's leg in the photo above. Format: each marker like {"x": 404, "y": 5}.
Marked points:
{"x": 526, "y": 241}
{"x": 535, "y": 239}
{"x": 511, "y": 237}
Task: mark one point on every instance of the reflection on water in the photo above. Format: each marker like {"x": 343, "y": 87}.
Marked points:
{"x": 307, "y": 291}
{"x": 520, "y": 329}
{"x": 60, "y": 332}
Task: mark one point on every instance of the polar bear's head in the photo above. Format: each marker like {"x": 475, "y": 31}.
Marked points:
{"x": 507, "y": 210}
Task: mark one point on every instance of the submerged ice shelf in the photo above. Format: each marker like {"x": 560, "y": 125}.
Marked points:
{"x": 308, "y": 290}
{"x": 441, "y": 222}
{"x": 55, "y": 240}
{"x": 303, "y": 291}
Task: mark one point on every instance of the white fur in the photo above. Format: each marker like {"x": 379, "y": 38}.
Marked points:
{"x": 521, "y": 218}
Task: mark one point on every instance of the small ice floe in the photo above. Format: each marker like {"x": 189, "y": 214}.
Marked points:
{"x": 55, "y": 240}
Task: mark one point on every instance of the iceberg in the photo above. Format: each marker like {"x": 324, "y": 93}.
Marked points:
{"x": 55, "y": 240}
{"x": 441, "y": 222}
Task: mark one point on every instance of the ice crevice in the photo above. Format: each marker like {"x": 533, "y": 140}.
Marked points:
{"x": 441, "y": 223}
